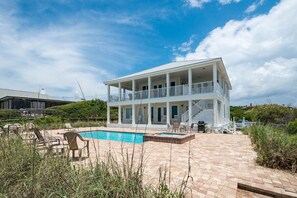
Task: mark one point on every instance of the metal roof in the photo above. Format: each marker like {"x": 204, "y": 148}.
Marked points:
{"x": 25, "y": 94}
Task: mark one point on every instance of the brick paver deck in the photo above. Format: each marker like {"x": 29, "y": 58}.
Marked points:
{"x": 218, "y": 163}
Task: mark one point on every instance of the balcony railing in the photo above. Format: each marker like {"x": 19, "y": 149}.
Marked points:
{"x": 126, "y": 96}
{"x": 159, "y": 93}
{"x": 113, "y": 98}
{"x": 204, "y": 87}
{"x": 179, "y": 90}
{"x": 141, "y": 94}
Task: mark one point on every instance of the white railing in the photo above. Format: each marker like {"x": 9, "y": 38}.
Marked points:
{"x": 141, "y": 94}
{"x": 179, "y": 90}
{"x": 158, "y": 93}
{"x": 203, "y": 87}
{"x": 113, "y": 98}
{"x": 196, "y": 109}
{"x": 126, "y": 96}
{"x": 219, "y": 89}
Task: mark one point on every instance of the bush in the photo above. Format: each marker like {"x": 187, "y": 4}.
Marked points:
{"x": 275, "y": 148}
{"x": 292, "y": 127}
{"x": 56, "y": 177}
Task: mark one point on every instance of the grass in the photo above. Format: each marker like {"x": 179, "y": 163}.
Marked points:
{"x": 275, "y": 148}
{"x": 24, "y": 172}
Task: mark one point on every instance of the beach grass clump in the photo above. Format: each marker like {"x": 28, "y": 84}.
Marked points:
{"x": 275, "y": 148}
{"x": 25, "y": 172}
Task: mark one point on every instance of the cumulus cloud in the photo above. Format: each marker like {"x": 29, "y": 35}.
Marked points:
{"x": 200, "y": 3}
{"x": 260, "y": 54}
{"x": 254, "y": 6}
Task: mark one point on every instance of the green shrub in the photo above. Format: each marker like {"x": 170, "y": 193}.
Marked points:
{"x": 292, "y": 127}
{"x": 275, "y": 148}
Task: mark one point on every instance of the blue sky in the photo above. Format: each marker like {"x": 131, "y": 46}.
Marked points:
{"x": 54, "y": 44}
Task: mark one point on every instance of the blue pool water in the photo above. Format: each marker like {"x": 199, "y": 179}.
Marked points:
{"x": 115, "y": 136}
{"x": 169, "y": 135}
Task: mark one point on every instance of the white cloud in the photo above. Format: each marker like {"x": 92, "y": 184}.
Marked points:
{"x": 200, "y": 3}
{"x": 254, "y": 6}
{"x": 55, "y": 57}
{"x": 260, "y": 54}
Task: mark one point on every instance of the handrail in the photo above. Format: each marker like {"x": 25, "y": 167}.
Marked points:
{"x": 196, "y": 109}
{"x": 159, "y": 92}
{"x": 143, "y": 94}
{"x": 179, "y": 90}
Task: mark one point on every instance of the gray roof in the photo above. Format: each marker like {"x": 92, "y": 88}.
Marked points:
{"x": 24, "y": 94}
{"x": 165, "y": 67}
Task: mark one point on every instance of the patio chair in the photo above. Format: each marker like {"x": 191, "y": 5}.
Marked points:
{"x": 29, "y": 126}
{"x": 169, "y": 127}
{"x": 175, "y": 127}
{"x": 69, "y": 127}
{"x": 73, "y": 144}
{"x": 192, "y": 127}
{"x": 44, "y": 140}
{"x": 183, "y": 127}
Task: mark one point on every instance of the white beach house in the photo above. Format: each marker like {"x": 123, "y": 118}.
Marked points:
{"x": 183, "y": 91}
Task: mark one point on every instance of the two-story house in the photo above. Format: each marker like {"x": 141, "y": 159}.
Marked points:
{"x": 183, "y": 91}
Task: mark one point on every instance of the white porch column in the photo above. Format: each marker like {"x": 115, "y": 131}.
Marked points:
{"x": 149, "y": 112}
{"x": 190, "y": 81}
{"x": 108, "y": 114}
{"x": 214, "y": 77}
{"x": 108, "y": 93}
{"x": 167, "y": 84}
{"x": 190, "y": 111}
{"x": 149, "y": 86}
{"x": 133, "y": 114}
{"x": 133, "y": 89}
{"x": 120, "y": 115}
{"x": 167, "y": 113}
{"x": 215, "y": 112}
{"x": 120, "y": 92}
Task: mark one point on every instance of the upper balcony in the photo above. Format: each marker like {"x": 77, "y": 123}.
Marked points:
{"x": 181, "y": 83}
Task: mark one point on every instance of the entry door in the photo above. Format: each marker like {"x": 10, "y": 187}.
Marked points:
{"x": 152, "y": 114}
{"x": 174, "y": 111}
{"x": 172, "y": 91}
{"x": 159, "y": 114}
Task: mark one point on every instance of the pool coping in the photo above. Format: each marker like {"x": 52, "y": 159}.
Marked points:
{"x": 166, "y": 139}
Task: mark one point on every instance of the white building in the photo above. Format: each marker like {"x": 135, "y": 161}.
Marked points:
{"x": 183, "y": 91}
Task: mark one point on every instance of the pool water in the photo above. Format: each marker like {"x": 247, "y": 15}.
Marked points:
{"x": 169, "y": 135}
{"x": 115, "y": 136}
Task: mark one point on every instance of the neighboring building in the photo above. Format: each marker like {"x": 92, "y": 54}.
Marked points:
{"x": 183, "y": 91}
{"x": 14, "y": 99}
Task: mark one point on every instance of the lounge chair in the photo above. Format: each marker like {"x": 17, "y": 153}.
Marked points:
{"x": 72, "y": 139}
{"x": 44, "y": 140}
{"x": 29, "y": 126}
{"x": 69, "y": 127}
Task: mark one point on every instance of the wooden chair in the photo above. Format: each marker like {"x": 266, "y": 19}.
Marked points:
{"x": 73, "y": 145}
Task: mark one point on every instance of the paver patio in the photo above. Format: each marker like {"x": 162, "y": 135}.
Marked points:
{"x": 218, "y": 163}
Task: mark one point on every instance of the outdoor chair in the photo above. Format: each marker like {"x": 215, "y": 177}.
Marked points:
{"x": 169, "y": 127}
{"x": 69, "y": 127}
{"x": 29, "y": 126}
{"x": 192, "y": 127}
{"x": 183, "y": 127}
{"x": 76, "y": 142}
{"x": 175, "y": 127}
{"x": 44, "y": 140}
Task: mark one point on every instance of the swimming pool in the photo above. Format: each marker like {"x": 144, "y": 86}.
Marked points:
{"x": 114, "y": 136}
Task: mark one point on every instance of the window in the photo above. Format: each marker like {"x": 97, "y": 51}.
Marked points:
{"x": 128, "y": 113}
{"x": 164, "y": 111}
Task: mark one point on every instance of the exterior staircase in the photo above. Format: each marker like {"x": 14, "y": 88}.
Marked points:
{"x": 197, "y": 108}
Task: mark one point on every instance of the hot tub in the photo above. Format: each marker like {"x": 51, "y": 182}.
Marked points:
{"x": 175, "y": 138}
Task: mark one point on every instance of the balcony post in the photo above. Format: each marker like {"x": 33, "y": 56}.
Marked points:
{"x": 108, "y": 93}
{"x": 190, "y": 111}
{"x": 133, "y": 114}
{"x": 108, "y": 114}
{"x": 190, "y": 81}
{"x": 149, "y": 112}
{"x": 120, "y": 92}
{"x": 167, "y": 84}
{"x": 215, "y": 112}
{"x": 149, "y": 87}
{"x": 133, "y": 90}
{"x": 167, "y": 113}
{"x": 214, "y": 77}
{"x": 120, "y": 115}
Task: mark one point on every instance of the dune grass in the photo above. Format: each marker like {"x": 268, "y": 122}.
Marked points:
{"x": 275, "y": 148}
{"x": 24, "y": 172}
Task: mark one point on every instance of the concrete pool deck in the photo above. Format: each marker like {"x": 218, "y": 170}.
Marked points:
{"x": 218, "y": 163}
